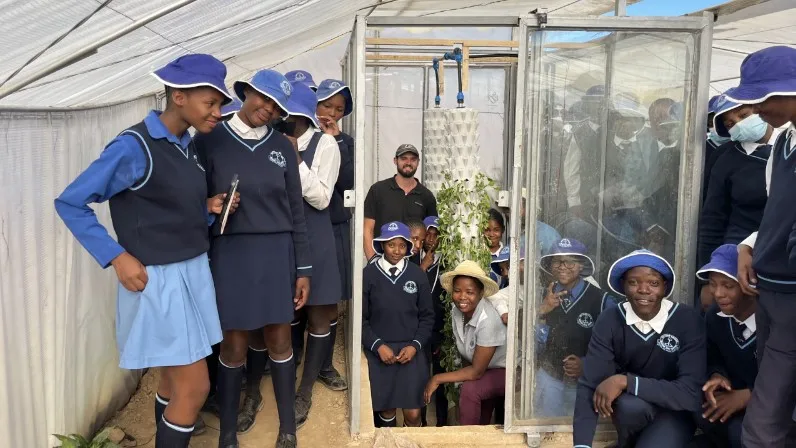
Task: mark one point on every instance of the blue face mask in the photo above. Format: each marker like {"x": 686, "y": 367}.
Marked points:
{"x": 716, "y": 138}
{"x": 749, "y": 130}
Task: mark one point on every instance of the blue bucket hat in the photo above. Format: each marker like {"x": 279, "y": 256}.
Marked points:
{"x": 723, "y": 260}
{"x": 505, "y": 255}
{"x": 390, "y": 231}
{"x": 568, "y": 246}
{"x": 231, "y": 107}
{"x": 723, "y": 105}
{"x": 195, "y": 70}
{"x": 766, "y": 73}
{"x": 712, "y": 104}
{"x": 301, "y": 77}
{"x": 331, "y": 87}
{"x": 302, "y": 103}
{"x": 270, "y": 83}
{"x": 641, "y": 257}
{"x": 431, "y": 221}
{"x": 594, "y": 93}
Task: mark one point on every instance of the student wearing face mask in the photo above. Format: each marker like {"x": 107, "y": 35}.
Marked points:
{"x": 736, "y": 191}
{"x": 713, "y": 142}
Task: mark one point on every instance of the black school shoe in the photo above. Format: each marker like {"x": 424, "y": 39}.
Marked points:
{"x": 303, "y": 406}
{"x": 286, "y": 441}
{"x": 247, "y": 416}
{"x": 333, "y": 380}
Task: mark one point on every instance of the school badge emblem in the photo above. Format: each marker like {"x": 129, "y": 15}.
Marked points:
{"x": 286, "y": 89}
{"x": 585, "y": 320}
{"x": 299, "y": 77}
{"x": 278, "y": 159}
{"x": 392, "y": 227}
{"x": 196, "y": 159}
{"x": 334, "y": 85}
{"x": 410, "y": 287}
{"x": 668, "y": 343}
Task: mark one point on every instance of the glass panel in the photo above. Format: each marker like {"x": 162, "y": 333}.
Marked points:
{"x": 602, "y": 172}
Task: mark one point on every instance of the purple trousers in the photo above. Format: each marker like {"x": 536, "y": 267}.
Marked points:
{"x": 478, "y": 398}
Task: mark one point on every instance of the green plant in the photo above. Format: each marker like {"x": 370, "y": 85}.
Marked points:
{"x": 101, "y": 440}
{"x": 463, "y": 207}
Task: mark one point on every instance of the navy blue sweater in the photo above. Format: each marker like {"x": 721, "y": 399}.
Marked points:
{"x": 729, "y": 354}
{"x": 735, "y": 199}
{"x": 775, "y": 249}
{"x": 667, "y": 370}
{"x": 345, "y": 180}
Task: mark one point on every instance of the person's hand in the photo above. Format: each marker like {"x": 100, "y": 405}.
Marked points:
{"x": 727, "y": 405}
{"x": 607, "y": 392}
{"x": 505, "y": 318}
{"x": 431, "y": 387}
{"x": 387, "y": 355}
{"x": 715, "y": 383}
{"x": 216, "y": 203}
{"x": 329, "y": 126}
{"x": 746, "y": 274}
{"x": 573, "y": 366}
{"x": 132, "y": 274}
{"x": 551, "y": 299}
{"x": 406, "y": 354}
{"x": 302, "y": 292}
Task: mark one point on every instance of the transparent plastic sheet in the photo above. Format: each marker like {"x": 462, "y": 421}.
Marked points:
{"x": 58, "y": 346}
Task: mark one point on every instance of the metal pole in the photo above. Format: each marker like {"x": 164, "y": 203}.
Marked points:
{"x": 620, "y": 8}
{"x": 91, "y": 49}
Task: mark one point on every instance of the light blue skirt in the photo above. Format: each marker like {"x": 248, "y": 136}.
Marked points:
{"x": 173, "y": 321}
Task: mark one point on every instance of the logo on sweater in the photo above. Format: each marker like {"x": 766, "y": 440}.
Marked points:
{"x": 286, "y": 89}
{"x": 668, "y": 343}
{"x": 585, "y": 320}
{"x": 277, "y": 158}
{"x": 196, "y": 159}
{"x": 299, "y": 77}
{"x": 410, "y": 287}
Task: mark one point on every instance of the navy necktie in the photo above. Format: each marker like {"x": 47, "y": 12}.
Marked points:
{"x": 737, "y": 329}
{"x": 393, "y": 271}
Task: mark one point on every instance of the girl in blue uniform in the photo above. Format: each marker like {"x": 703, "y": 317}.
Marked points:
{"x": 152, "y": 177}
{"x": 645, "y": 365}
{"x": 261, "y": 261}
{"x": 397, "y": 321}
{"x": 319, "y": 165}
{"x": 334, "y": 103}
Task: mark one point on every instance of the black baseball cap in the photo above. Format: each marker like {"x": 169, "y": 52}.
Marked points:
{"x": 405, "y": 148}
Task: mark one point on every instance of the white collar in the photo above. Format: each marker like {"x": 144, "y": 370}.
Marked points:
{"x": 657, "y": 323}
{"x": 594, "y": 126}
{"x": 386, "y": 265}
{"x": 304, "y": 140}
{"x": 750, "y": 147}
{"x": 749, "y": 322}
{"x": 620, "y": 141}
{"x": 497, "y": 252}
{"x": 243, "y": 129}
{"x": 423, "y": 255}
{"x": 662, "y": 146}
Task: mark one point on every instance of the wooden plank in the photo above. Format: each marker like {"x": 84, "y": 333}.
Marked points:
{"x": 441, "y": 78}
{"x": 439, "y": 42}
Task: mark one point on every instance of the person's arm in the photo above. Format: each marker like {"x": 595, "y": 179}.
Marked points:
{"x": 345, "y": 180}
{"x": 425, "y": 310}
{"x": 715, "y": 212}
{"x": 317, "y": 181}
{"x": 500, "y": 301}
{"x": 206, "y": 160}
{"x": 301, "y": 243}
{"x": 370, "y": 341}
{"x": 684, "y": 393}
{"x": 121, "y": 165}
{"x": 572, "y": 173}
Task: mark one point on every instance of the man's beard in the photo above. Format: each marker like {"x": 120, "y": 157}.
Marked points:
{"x": 408, "y": 175}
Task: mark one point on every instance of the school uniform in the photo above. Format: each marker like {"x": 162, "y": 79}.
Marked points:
{"x": 663, "y": 359}
{"x": 764, "y": 73}
{"x": 493, "y": 274}
{"x": 397, "y": 312}
{"x": 155, "y": 186}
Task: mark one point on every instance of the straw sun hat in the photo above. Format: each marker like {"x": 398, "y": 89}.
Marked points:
{"x": 469, "y": 269}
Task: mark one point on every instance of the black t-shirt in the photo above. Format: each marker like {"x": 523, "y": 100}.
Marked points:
{"x": 387, "y": 202}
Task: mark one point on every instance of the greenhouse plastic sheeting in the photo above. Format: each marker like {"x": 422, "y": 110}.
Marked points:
{"x": 58, "y": 346}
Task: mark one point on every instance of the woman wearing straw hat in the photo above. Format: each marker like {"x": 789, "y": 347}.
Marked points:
{"x": 397, "y": 321}
{"x": 570, "y": 308}
{"x": 155, "y": 183}
{"x": 645, "y": 365}
{"x": 481, "y": 340}
{"x": 261, "y": 261}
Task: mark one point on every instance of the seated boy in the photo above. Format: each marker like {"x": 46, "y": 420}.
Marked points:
{"x": 731, "y": 335}
{"x": 645, "y": 365}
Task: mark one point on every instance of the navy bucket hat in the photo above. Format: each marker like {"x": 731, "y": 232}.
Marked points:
{"x": 723, "y": 105}
{"x": 302, "y": 103}
{"x": 641, "y": 257}
{"x": 195, "y": 70}
{"x": 431, "y": 221}
{"x": 570, "y": 247}
{"x": 301, "y": 77}
{"x": 712, "y": 104}
{"x": 390, "y": 231}
{"x": 766, "y": 73}
{"x": 505, "y": 255}
{"x": 271, "y": 84}
{"x": 723, "y": 260}
{"x": 231, "y": 107}
{"x": 331, "y": 87}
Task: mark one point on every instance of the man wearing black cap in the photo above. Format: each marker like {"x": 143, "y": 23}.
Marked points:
{"x": 399, "y": 198}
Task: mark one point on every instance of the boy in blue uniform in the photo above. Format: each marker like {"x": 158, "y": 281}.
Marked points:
{"x": 260, "y": 262}
{"x": 397, "y": 321}
{"x": 152, "y": 177}
{"x": 645, "y": 365}
{"x": 768, "y": 80}
{"x": 732, "y": 367}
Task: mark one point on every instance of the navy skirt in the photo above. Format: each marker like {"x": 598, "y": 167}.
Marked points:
{"x": 254, "y": 276}
{"x": 342, "y": 238}
{"x": 399, "y": 386}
